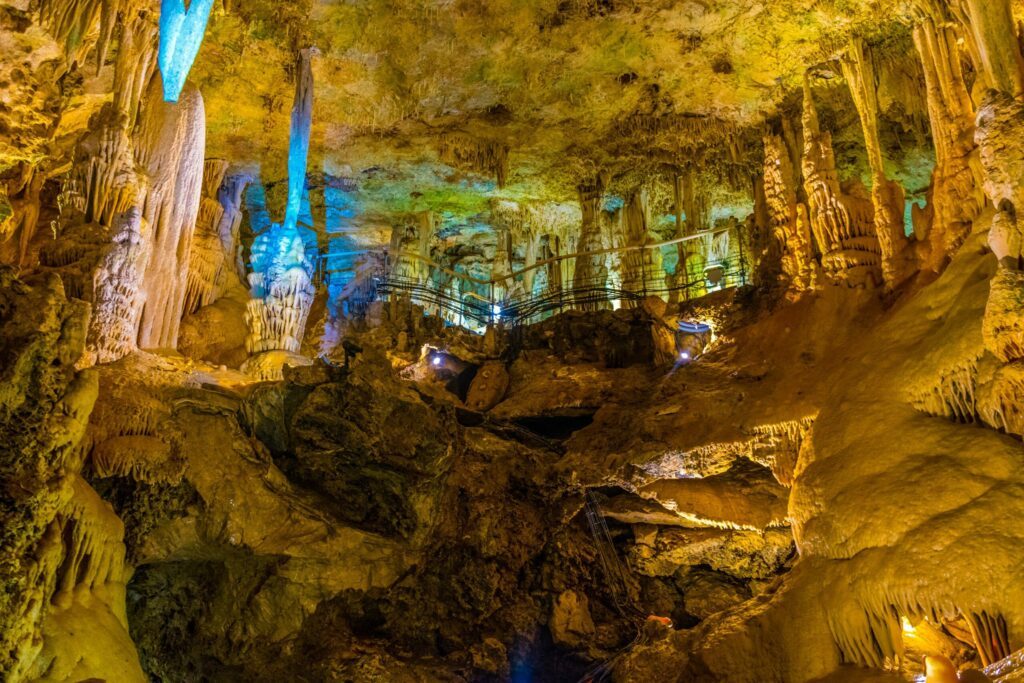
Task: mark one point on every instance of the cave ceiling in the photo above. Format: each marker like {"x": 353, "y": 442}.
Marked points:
{"x": 631, "y": 88}
{"x": 559, "y": 90}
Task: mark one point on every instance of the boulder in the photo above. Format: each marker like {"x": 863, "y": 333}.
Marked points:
{"x": 488, "y": 387}
{"x": 571, "y": 624}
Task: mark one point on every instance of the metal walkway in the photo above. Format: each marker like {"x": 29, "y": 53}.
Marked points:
{"x": 548, "y": 287}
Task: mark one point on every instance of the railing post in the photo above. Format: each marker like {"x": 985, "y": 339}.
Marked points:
{"x": 643, "y": 273}
{"x": 743, "y": 260}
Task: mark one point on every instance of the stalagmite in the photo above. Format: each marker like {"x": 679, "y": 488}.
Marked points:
{"x": 181, "y": 34}
{"x": 842, "y": 224}
{"x": 637, "y": 263}
{"x": 956, "y": 192}
{"x": 790, "y": 237}
{"x": 172, "y": 138}
{"x": 282, "y": 291}
{"x": 590, "y": 276}
{"x": 409, "y": 241}
{"x": 887, "y": 196}
{"x": 118, "y": 295}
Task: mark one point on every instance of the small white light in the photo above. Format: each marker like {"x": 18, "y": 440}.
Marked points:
{"x": 685, "y": 355}
{"x": 436, "y": 360}
{"x": 496, "y": 310}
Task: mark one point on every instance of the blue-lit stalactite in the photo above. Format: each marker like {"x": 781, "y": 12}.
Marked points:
{"x": 181, "y": 34}
{"x": 298, "y": 143}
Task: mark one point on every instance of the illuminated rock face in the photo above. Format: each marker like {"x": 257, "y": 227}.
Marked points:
{"x": 834, "y": 481}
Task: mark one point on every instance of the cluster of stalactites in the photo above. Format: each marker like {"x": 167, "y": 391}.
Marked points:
{"x": 71, "y": 22}
{"x": 545, "y": 229}
{"x": 212, "y": 265}
{"x": 955, "y": 196}
{"x": 480, "y": 156}
{"x": 842, "y": 223}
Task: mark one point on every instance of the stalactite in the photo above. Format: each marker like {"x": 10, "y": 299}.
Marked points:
{"x": 172, "y": 139}
{"x": 998, "y": 53}
{"x": 956, "y": 194}
{"x": 591, "y": 273}
{"x": 481, "y": 156}
{"x": 181, "y": 34}
{"x": 887, "y": 196}
{"x": 954, "y": 395}
{"x": 298, "y": 143}
{"x": 790, "y": 235}
{"x": 842, "y": 224}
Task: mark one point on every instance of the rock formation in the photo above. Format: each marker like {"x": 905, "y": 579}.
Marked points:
{"x": 956, "y": 195}
{"x": 281, "y": 281}
{"x": 843, "y": 224}
{"x": 790, "y": 240}
{"x": 557, "y": 341}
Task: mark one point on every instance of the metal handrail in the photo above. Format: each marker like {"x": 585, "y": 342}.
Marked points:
{"x": 516, "y": 307}
{"x": 558, "y": 259}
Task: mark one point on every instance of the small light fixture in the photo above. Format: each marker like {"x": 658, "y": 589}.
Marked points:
{"x": 684, "y": 355}
{"x": 496, "y": 310}
{"x": 436, "y": 360}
